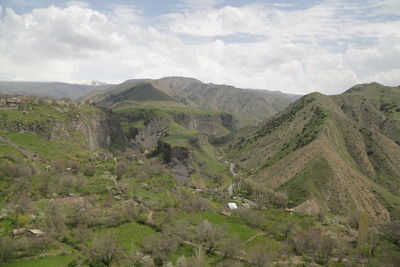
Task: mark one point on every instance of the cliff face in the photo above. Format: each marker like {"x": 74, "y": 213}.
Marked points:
{"x": 180, "y": 159}
{"x": 180, "y": 134}
{"x": 96, "y": 128}
{"x": 148, "y": 134}
{"x": 100, "y": 130}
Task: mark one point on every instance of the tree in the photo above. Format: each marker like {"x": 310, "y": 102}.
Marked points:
{"x": 55, "y": 218}
{"x": 6, "y": 249}
{"x": 160, "y": 246}
{"x": 89, "y": 169}
{"x": 286, "y": 228}
{"x": 121, "y": 168}
{"x": 179, "y": 229}
{"x": 323, "y": 247}
{"x": 208, "y": 235}
{"x": 261, "y": 256}
{"x": 260, "y": 196}
{"x": 230, "y": 246}
{"x": 392, "y": 229}
{"x": 251, "y": 217}
{"x": 279, "y": 199}
{"x": 199, "y": 259}
{"x": 105, "y": 249}
{"x": 314, "y": 242}
{"x": 373, "y": 241}
{"x": 23, "y": 205}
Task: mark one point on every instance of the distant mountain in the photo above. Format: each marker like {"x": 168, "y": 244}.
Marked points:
{"x": 249, "y": 106}
{"x": 330, "y": 154}
{"x": 56, "y": 90}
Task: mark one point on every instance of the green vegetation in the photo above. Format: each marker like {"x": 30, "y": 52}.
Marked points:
{"x": 50, "y": 261}
{"x": 103, "y": 197}
{"x": 178, "y": 136}
{"x": 312, "y": 180}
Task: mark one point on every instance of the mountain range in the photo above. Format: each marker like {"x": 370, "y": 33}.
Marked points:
{"x": 55, "y": 90}
{"x": 249, "y": 106}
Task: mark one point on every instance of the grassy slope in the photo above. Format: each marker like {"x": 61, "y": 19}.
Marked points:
{"x": 316, "y": 149}
{"x": 46, "y": 261}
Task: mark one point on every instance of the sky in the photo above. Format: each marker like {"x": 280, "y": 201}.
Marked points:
{"x": 291, "y": 46}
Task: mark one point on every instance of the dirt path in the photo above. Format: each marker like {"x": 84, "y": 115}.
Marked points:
{"x": 27, "y": 153}
{"x": 150, "y": 217}
{"x": 251, "y": 238}
{"x": 231, "y": 168}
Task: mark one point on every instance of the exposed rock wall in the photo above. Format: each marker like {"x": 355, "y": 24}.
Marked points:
{"x": 179, "y": 158}
{"x": 148, "y": 135}
{"x": 97, "y": 129}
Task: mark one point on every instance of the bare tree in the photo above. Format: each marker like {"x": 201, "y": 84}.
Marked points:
{"x": 199, "y": 259}
{"x": 121, "y": 168}
{"x": 6, "y": 249}
{"x": 105, "y": 249}
{"x": 286, "y": 228}
{"x": 261, "y": 256}
{"x": 314, "y": 242}
{"x": 230, "y": 246}
{"x": 392, "y": 229}
{"x": 208, "y": 235}
{"x": 260, "y": 196}
{"x": 160, "y": 246}
{"x": 55, "y": 218}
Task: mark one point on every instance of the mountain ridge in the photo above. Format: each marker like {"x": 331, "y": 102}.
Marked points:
{"x": 249, "y": 106}
{"x": 341, "y": 133}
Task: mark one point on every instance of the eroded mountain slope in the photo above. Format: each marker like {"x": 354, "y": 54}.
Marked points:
{"x": 340, "y": 152}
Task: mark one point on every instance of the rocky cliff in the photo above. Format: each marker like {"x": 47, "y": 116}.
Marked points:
{"x": 59, "y": 120}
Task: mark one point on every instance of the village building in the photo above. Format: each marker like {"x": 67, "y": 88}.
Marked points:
{"x": 232, "y": 206}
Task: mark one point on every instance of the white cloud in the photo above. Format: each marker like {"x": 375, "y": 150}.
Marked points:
{"x": 321, "y": 48}
{"x": 78, "y": 3}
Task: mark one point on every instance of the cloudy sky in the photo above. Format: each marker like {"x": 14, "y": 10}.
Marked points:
{"x": 293, "y": 46}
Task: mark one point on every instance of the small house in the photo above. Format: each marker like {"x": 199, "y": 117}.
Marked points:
{"x": 12, "y": 102}
{"x": 232, "y": 206}
{"x": 226, "y": 213}
{"x": 36, "y": 232}
{"x": 19, "y": 231}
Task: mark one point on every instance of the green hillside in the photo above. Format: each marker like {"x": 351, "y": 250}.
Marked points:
{"x": 146, "y": 182}
{"x": 339, "y": 151}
